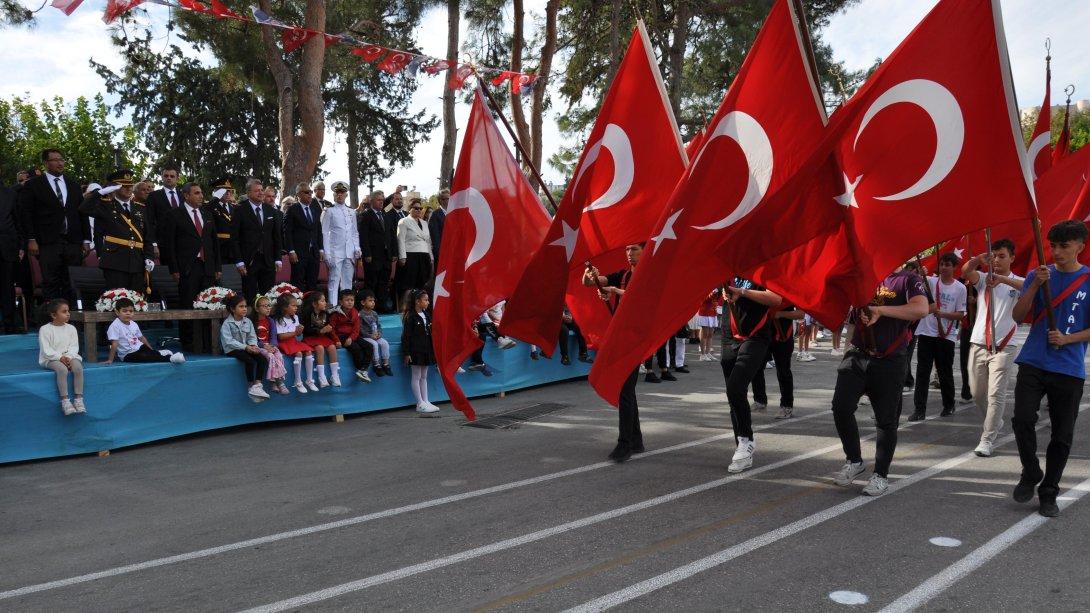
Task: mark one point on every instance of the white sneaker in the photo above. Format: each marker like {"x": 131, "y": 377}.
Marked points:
{"x": 984, "y": 449}
{"x": 427, "y": 410}
{"x": 177, "y": 358}
{"x": 876, "y": 486}
{"x": 67, "y": 408}
{"x": 323, "y": 383}
{"x": 336, "y": 380}
{"x": 505, "y": 343}
{"x": 846, "y": 475}
{"x": 312, "y": 387}
{"x": 461, "y": 371}
{"x": 769, "y": 365}
{"x": 759, "y": 407}
{"x": 362, "y": 375}
{"x": 643, "y": 370}
{"x": 432, "y": 406}
{"x": 299, "y": 387}
{"x": 257, "y": 393}
{"x": 836, "y": 352}
{"x": 864, "y": 400}
{"x": 743, "y": 456}
{"x": 77, "y": 403}
{"x": 786, "y": 413}
{"x": 807, "y": 357}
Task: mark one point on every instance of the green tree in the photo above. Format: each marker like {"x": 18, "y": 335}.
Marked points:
{"x": 81, "y": 130}
{"x": 1079, "y": 126}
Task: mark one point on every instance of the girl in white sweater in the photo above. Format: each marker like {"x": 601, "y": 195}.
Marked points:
{"x": 58, "y": 350}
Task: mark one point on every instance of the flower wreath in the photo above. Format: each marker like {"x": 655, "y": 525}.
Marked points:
{"x": 105, "y": 302}
{"x": 211, "y": 299}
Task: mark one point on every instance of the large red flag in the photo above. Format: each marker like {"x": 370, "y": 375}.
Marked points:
{"x": 492, "y": 215}
{"x": 1081, "y": 208}
{"x": 66, "y": 6}
{"x": 620, "y": 187}
{"x": 1063, "y": 144}
{"x": 717, "y": 222}
{"x": 1040, "y": 145}
{"x": 931, "y": 148}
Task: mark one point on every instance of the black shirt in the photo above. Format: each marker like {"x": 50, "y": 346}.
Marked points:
{"x": 889, "y": 335}
{"x": 749, "y": 319}
{"x": 619, "y": 279}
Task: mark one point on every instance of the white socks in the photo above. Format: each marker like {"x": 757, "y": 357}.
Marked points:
{"x": 420, "y": 384}
{"x": 335, "y": 373}
{"x": 321, "y": 374}
{"x": 298, "y": 364}
{"x": 309, "y": 368}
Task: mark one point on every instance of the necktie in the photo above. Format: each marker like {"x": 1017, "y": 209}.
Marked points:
{"x": 173, "y": 200}
{"x": 200, "y": 231}
{"x": 125, "y": 205}
{"x": 57, "y": 187}
{"x": 310, "y": 219}
{"x": 257, "y": 212}
{"x": 419, "y": 224}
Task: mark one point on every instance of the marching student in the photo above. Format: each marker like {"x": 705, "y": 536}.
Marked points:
{"x": 991, "y": 350}
{"x": 708, "y": 320}
{"x": 779, "y": 351}
{"x": 1052, "y": 363}
{"x": 416, "y": 346}
{"x": 875, "y": 366}
{"x": 612, "y": 288}
{"x": 319, "y": 334}
{"x": 127, "y": 342}
{"x": 239, "y": 340}
{"x": 807, "y": 332}
{"x": 345, "y": 320}
{"x": 288, "y": 329}
{"x": 58, "y": 350}
{"x": 936, "y": 335}
{"x": 745, "y": 351}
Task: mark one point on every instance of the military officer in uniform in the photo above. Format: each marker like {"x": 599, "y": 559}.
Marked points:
{"x": 222, "y": 209}
{"x": 126, "y": 257}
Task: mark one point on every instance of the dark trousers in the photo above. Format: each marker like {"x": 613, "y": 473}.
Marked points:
{"x": 963, "y": 359}
{"x": 660, "y": 357}
{"x": 7, "y": 292}
{"x": 145, "y": 354}
{"x": 780, "y": 352}
{"x": 255, "y": 364}
{"x": 258, "y": 279}
{"x": 880, "y": 380}
{"x": 304, "y": 273}
{"x": 376, "y": 277}
{"x": 567, "y": 330}
{"x": 414, "y": 274}
{"x": 360, "y": 351}
{"x": 628, "y": 413}
{"x": 189, "y": 286}
{"x": 937, "y": 352}
{"x": 54, "y": 261}
{"x": 740, "y": 362}
{"x": 129, "y": 280}
{"x": 1064, "y": 393}
{"x": 909, "y": 380}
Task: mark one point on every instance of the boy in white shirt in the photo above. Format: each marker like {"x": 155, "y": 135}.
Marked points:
{"x": 936, "y": 334}
{"x": 127, "y": 342}
{"x": 991, "y": 352}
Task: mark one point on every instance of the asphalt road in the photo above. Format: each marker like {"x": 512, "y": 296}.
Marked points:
{"x": 392, "y": 512}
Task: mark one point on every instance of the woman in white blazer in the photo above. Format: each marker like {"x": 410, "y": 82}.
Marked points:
{"x": 414, "y": 250}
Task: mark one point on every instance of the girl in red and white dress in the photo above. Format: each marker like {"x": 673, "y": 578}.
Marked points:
{"x": 319, "y": 335}
{"x": 265, "y": 327}
{"x": 288, "y": 329}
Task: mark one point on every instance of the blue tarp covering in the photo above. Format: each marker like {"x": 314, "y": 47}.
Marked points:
{"x": 139, "y": 403}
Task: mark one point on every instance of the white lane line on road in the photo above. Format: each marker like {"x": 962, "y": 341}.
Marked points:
{"x": 360, "y": 519}
{"x": 696, "y": 567}
{"x": 980, "y": 556}
{"x": 511, "y": 543}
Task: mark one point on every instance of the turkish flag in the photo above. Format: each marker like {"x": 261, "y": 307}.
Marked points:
{"x": 117, "y": 8}
{"x": 1040, "y": 145}
{"x": 716, "y": 222}
{"x": 1063, "y": 145}
{"x": 492, "y": 215}
{"x": 694, "y": 144}
{"x": 458, "y": 79}
{"x": 930, "y": 147}
{"x": 437, "y": 66}
{"x": 632, "y": 160}
{"x": 1081, "y": 208}
{"x": 395, "y": 62}
{"x": 66, "y": 6}
{"x": 369, "y": 53}
{"x": 503, "y": 76}
{"x": 295, "y": 38}
{"x": 221, "y": 11}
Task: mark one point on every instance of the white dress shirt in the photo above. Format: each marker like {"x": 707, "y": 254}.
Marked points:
{"x": 413, "y": 237}
{"x": 340, "y": 235}
{"x": 54, "y": 181}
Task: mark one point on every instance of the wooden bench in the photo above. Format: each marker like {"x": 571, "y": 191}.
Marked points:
{"x": 91, "y": 319}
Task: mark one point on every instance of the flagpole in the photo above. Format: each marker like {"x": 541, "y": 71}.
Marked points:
{"x": 518, "y": 144}
{"x": 1045, "y": 287}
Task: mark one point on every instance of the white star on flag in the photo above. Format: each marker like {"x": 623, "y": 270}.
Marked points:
{"x": 960, "y": 253}
{"x": 848, "y": 197}
{"x": 567, "y": 241}
{"x": 667, "y": 232}
{"x": 440, "y": 289}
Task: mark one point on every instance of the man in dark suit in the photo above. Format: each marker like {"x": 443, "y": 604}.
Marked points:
{"x": 396, "y": 213}
{"x": 162, "y": 201}
{"x": 436, "y": 221}
{"x": 259, "y": 239}
{"x": 375, "y": 248}
{"x": 57, "y": 234}
{"x": 191, "y": 251}
{"x": 126, "y": 255}
{"x": 319, "y": 196}
{"x": 12, "y": 252}
{"x": 303, "y": 238}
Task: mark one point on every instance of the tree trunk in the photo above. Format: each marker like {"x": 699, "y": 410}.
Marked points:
{"x": 537, "y": 107}
{"x": 517, "y": 42}
{"x": 353, "y": 162}
{"x": 614, "y": 40}
{"x": 677, "y": 54}
{"x": 299, "y": 151}
{"x": 450, "y": 128}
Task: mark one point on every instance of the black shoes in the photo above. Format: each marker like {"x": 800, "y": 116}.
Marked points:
{"x": 565, "y": 360}
{"x": 917, "y": 416}
{"x": 666, "y": 376}
{"x": 389, "y": 373}
{"x": 1049, "y": 508}
{"x": 652, "y": 378}
{"x": 948, "y": 411}
{"x": 682, "y": 369}
{"x": 621, "y": 453}
{"x": 583, "y": 357}
{"x": 1023, "y": 492}
{"x": 379, "y": 372}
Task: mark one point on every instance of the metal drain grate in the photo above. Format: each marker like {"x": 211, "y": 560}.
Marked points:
{"x": 514, "y": 417}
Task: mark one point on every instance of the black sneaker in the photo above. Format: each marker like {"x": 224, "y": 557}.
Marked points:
{"x": 682, "y": 369}
{"x": 1049, "y": 508}
{"x": 917, "y": 416}
{"x": 638, "y": 447}
{"x": 666, "y": 376}
{"x": 565, "y": 360}
{"x": 533, "y": 355}
{"x": 948, "y": 411}
{"x": 386, "y": 368}
{"x": 652, "y": 378}
{"x": 379, "y": 372}
{"x": 620, "y": 453}
{"x": 1023, "y": 492}
{"x": 584, "y": 358}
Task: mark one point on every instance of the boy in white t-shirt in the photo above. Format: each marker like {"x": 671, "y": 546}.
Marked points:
{"x": 991, "y": 352}
{"x": 127, "y": 342}
{"x": 936, "y": 334}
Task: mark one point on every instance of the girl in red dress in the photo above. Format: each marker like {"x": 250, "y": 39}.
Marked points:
{"x": 318, "y": 334}
{"x": 287, "y": 329}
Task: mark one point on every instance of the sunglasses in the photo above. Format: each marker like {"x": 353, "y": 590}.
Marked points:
{"x": 416, "y": 208}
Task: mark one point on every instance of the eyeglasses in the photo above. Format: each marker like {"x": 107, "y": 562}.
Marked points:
{"x": 416, "y": 208}
{"x": 306, "y": 191}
